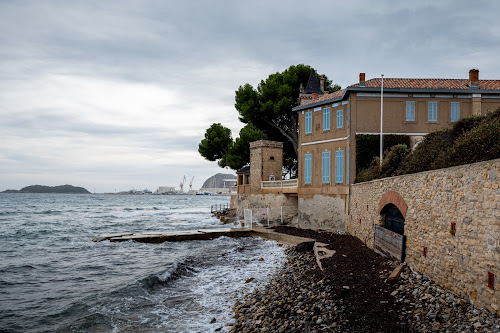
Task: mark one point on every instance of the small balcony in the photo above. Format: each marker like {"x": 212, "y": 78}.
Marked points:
{"x": 288, "y": 186}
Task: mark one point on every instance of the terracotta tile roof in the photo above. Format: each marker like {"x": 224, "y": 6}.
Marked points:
{"x": 456, "y": 84}
{"x": 430, "y": 84}
{"x": 326, "y": 97}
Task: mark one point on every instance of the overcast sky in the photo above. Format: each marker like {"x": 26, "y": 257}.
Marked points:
{"x": 117, "y": 94}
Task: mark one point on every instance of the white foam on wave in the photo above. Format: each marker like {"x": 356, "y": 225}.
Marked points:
{"x": 195, "y": 300}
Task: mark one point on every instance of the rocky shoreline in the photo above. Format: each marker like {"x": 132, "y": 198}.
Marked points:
{"x": 352, "y": 295}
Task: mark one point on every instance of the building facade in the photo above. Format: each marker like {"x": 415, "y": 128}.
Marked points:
{"x": 329, "y": 123}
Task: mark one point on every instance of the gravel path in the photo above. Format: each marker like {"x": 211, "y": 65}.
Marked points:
{"x": 351, "y": 295}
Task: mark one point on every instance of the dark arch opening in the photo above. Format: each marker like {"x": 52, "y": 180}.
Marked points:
{"x": 394, "y": 219}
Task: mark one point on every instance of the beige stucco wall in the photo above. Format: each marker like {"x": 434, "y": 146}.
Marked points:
{"x": 468, "y": 195}
{"x": 273, "y": 201}
{"x": 321, "y": 212}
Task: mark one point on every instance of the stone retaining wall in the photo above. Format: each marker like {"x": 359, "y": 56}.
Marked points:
{"x": 322, "y": 212}
{"x": 274, "y": 201}
{"x": 469, "y": 196}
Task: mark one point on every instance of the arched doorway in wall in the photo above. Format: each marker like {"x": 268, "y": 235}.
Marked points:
{"x": 390, "y": 236}
{"x": 394, "y": 220}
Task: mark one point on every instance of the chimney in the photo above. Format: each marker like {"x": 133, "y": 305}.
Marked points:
{"x": 474, "y": 78}
{"x": 361, "y": 79}
{"x": 322, "y": 83}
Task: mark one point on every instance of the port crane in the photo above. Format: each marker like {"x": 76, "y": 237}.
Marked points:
{"x": 183, "y": 180}
{"x": 191, "y": 184}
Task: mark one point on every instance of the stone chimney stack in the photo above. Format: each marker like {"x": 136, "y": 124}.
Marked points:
{"x": 322, "y": 83}
{"x": 474, "y": 78}
{"x": 361, "y": 79}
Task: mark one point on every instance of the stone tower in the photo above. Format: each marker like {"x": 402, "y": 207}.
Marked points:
{"x": 266, "y": 160}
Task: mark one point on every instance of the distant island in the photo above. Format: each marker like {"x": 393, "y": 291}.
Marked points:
{"x": 50, "y": 189}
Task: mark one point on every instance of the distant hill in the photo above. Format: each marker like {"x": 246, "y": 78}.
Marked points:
{"x": 217, "y": 180}
{"x": 50, "y": 189}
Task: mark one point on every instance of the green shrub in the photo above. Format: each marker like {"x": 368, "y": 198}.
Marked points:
{"x": 472, "y": 139}
{"x": 368, "y": 147}
{"x": 430, "y": 153}
{"x": 479, "y": 144}
{"x": 393, "y": 159}
{"x": 369, "y": 173}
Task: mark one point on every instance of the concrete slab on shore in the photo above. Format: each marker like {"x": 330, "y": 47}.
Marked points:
{"x": 203, "y": 234}
{"x": 177, "y": 236}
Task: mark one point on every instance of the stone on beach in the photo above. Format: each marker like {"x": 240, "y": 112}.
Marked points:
{"x": 350, "y": 296}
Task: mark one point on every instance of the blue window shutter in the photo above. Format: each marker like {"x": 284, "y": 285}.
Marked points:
{"x": 432, "y": 111}
{"x": 339, "y": 166}
{"x": 326, "y": 119}
{"x": 307, "y": 169}
{"x": 340, "y": 118}
{"x": 308, "y": 124}
{"x": 410, "y": 110}
{"x": 326, "y": 167}
{"x": 347, "y": 162}
{"x": 455, "y": 111}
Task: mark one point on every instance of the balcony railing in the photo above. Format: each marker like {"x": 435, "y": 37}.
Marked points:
{"x": 289, "y": 183}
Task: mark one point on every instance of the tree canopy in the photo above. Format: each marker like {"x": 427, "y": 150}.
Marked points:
{"x": 216, "y": 143}
{"x": 268, "y": 109}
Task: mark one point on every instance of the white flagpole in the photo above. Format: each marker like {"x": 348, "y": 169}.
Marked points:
{"x": 381, "y": 118}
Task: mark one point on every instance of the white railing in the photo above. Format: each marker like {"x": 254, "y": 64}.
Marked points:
{"x": 234, "y": 190}
{"x": 280, "y": 183}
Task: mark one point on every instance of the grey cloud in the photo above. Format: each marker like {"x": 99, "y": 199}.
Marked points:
{"x": 203, "y": 50}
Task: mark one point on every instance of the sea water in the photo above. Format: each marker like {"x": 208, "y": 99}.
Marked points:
{"x": 54, "y": 278}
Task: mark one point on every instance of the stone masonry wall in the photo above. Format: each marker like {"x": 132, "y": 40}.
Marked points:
{"x": 468, "y": 195}
{"x": 322, "y": 212}
{"x": 273, "y": 201}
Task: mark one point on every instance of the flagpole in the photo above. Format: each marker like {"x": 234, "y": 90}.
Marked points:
{"x": 381, "y": 118}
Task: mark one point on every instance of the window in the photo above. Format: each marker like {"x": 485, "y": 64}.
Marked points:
{"x": 340, "y": 118}
{"x": 410, "y": 111}
{"x": 307, "y": 169}
{"x": 455, "y": 111}
{"x": 432, "y": 111}
{"x": 326, "y": 167}
{"x": 326, "y": 119}
{"x": 308, "y": 124}
{"x": 339, "y": 166}
{"x": 347, "y": 166}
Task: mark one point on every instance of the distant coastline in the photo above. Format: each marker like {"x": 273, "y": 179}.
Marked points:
{"x": 63, "y": 189}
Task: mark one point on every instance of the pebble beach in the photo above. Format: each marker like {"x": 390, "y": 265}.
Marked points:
{"x": 351, "y": 294}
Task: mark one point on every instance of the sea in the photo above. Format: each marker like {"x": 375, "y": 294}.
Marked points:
{"x": 54, "y": 278}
